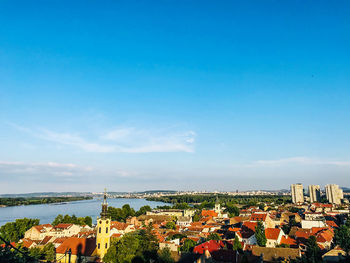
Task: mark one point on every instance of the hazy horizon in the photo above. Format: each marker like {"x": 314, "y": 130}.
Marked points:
{"x": 173, "y": 95}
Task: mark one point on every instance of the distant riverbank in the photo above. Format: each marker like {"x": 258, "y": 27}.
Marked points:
{"x": 18, "y": 201}
{"x": 47, "y": 212}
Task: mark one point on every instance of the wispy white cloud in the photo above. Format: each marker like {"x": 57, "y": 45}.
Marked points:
{"x": 300, "y": 161}
{"x": 74, "y": 140}
{"x": 48, "y": 169}
{"x": 124, "y": 140}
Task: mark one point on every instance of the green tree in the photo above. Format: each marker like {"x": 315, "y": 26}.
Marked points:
{"x": 260, "y": 234}
{"x": 67, "y": 219}
{"x": 88, "y": 221}
{"x": 236, "y": 244}
{"x": 8, "y": 255}
{"x": 170, "y": 225}
{"x": 342, "y": 238}
{"x": 165, "y": 256}
{"x": 57, "y": 220}
{"x": 188, "y": 245}
{"x": 14, "y": 231}
{"x": 133, "y": 247}
{"x": 36, "y": 253}
{"x": 214, "y": 236}
{"x": 143, "y": 210}
{"x": 231, "y": 209}
{"x": 127, "y": 211}
{"x": 176, "y": 236}
{"x": 313, "y": 252}
{"x": 49, "y": 252}
{"x": 181, "y": 206}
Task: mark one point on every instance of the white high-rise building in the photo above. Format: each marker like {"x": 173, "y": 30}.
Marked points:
{"x": 314, "y": 193}
{"x": 297, "y": 192}
{"x": 334, "y": 194}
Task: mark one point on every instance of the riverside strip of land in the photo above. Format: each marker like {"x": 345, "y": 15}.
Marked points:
{"x": 4, "y": 202}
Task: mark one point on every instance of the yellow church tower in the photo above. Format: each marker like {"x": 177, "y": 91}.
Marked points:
{"x": 103, "y": 230}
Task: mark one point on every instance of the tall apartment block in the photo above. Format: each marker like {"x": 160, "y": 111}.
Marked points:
{"x": 315, "y": 193}
{"x": 334, "y": 194}
{"x": 297, "y": 192}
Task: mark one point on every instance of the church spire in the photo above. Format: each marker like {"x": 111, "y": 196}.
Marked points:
{"x": 104, "y": 212}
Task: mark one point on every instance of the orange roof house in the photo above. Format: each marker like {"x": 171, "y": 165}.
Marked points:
{"x": 83, "y": 247}
{"x": 211, "y": 213}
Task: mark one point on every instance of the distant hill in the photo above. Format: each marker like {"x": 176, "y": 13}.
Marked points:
{"x": 346, "y": 189}
{"x": 48, "y": 194}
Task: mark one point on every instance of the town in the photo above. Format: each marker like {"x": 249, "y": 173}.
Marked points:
{"x": 303, "y": 228}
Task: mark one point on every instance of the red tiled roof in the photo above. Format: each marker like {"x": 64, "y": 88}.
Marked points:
{"x": 288, "y": 241}
{"x": 209, "y": 213}
{"x": 272, "y": 233}
{"x": 26, "y": 242}
{"x": 119, "y": 225}
{"x": 249, "y": 225}
{"x": 245, "y": 234}
{"x": 324, "y": 236}
{"x": 331, "y": 223}
{"x": 63, "y": 226}
{"x": 303, "y": 233}
{"x": 234, "y": 229}
{"x": 41, "y": 228}
{"x": 258, "y": 217}
{"x": 211, "y": 245}
{"x": 85, "y": 246}
{"x": 45, "y": 240}
{"x": 315, "y": 230}
{"x": 59, "y": 240}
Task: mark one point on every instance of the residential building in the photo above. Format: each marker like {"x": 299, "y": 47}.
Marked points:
{"x": 334, "y": 194}
{"x": 38, "y": 232}
{"x": 81, "y": 250}
{"x": 314, "y": 193}
{"x": 297, "y": 192}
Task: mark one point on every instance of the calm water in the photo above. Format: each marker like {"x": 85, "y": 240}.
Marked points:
{"x": 47, "y": 212}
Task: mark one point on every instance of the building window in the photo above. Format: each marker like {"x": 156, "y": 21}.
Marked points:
{"x": 106, "y": 229}
{"x": 98, "y": 245}
{"x": 106, "y": 245}
{"x": 99, "y": 229}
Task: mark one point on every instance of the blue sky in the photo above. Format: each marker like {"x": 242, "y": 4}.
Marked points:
{"x": 184, "y": 95}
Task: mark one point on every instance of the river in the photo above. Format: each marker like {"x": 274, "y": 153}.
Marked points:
{"x": 47, "y": 212}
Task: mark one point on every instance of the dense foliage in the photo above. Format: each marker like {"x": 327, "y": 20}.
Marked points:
{"x": 170, "y": 225}
{"x": 188, "y": 245}
{"x": 313, "y": 251}
{"x": 8, "y": 255}
{"x": 224, "y": 199}
{"x": 121, "y": 214}
{"x": 260, "y": 234}
{"x": 164, "y": 256}
{"x": 138, "y": 246}
{"x": 231, "y": 209}
{"x": 67, "y": 219}
{"x": 46, "y": 253}
{"x": 236, "y": 244}
{"x": 342, "y": 237}
{"x": 14, "y": 231}
{"x": 39, "y": 200}
{"x": 24, "y": 255}
{"x": 213, "y": 236}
